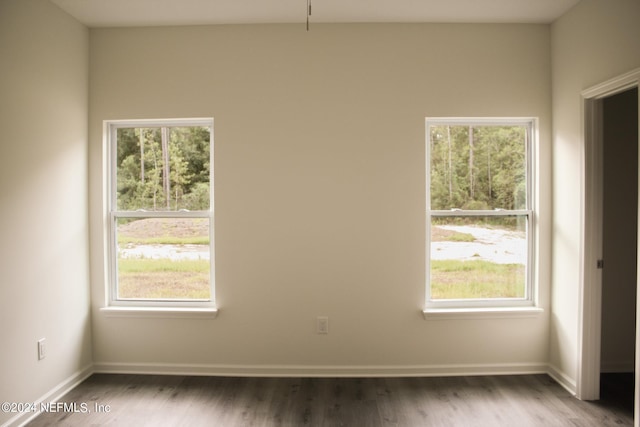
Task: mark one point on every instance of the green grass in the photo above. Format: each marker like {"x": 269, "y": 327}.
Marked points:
{"x": 163, "y": 240}
{"x": 163, "y": 279}
{"x": 146, "y": 265}
{"x": 454, "y": 279}
{"x": 461, "y": 237}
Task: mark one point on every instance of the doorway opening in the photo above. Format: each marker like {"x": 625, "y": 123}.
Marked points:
{"x": 599, "y": 337}
{"x": 619, "y": 251}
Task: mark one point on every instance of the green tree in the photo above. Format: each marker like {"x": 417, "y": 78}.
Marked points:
{"x": 479, "y": 167}
{"x": 159, "y": 168}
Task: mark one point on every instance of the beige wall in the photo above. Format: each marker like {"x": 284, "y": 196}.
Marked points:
{"x": 44, "y": 273}
{"x": 595, "y": 41}
{"x": 319, "y": 168}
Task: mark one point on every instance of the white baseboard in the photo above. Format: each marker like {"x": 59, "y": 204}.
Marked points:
{"x": 295, "y": 371}
{"x": 563, "y": 379}
{"x": 51, "y": 396}
{"x": 318, "y": 370}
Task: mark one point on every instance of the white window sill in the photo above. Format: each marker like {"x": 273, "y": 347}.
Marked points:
{"x": 480, "y": 313}
{"x": 162, "y": 312}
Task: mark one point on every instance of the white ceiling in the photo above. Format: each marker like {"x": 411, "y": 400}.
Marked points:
{"x": 119, "y": 13}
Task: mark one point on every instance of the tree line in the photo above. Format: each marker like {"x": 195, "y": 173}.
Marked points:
{"x": 163, "y": 168}
{"x": 471, "y": 167}
{"x": 478, "y": 167}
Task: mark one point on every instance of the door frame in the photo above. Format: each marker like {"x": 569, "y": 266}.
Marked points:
{"x": 590, "y": 304}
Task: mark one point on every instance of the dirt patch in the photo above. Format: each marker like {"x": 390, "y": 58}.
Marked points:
{"x": 171, "y": 285}
{"x": 165, "y": 227}
{"x": 443, "y": 235}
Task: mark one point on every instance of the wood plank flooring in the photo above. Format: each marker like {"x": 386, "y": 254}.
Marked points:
{"x": 154, "y": 400}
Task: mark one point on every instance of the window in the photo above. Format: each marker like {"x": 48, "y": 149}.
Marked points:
{"x": 479, "y": 217}
{"x": 160, "y": 215}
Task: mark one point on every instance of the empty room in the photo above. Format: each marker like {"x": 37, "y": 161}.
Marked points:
{"x": 294, "y": 212}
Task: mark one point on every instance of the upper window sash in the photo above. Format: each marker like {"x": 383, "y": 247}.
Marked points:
{"x": 111, "y": 133}
{"x": 530, "y": 126}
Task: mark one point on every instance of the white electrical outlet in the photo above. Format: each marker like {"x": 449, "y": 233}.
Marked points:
{"x": 322, "y": 325}
{"x": 42, "y": 349}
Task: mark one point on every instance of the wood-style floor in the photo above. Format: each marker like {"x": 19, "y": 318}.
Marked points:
{"x": 153, "y": 400}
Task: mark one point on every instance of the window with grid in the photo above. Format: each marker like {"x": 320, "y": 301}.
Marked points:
{"x": 479, "y": 217}
{"x": 160, "y": 212}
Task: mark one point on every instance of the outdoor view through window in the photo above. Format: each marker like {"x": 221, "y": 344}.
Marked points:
{"x": 478, "y": 210}
{"x": 161, "y": 211}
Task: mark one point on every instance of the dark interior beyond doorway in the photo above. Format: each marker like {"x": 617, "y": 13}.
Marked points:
{"x": 619, "y": 276}
{"x": 616, "y": 391}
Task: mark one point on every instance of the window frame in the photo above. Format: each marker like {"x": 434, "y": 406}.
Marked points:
{"x": 529, "y": 300}
{"x": 113, "y": 213}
